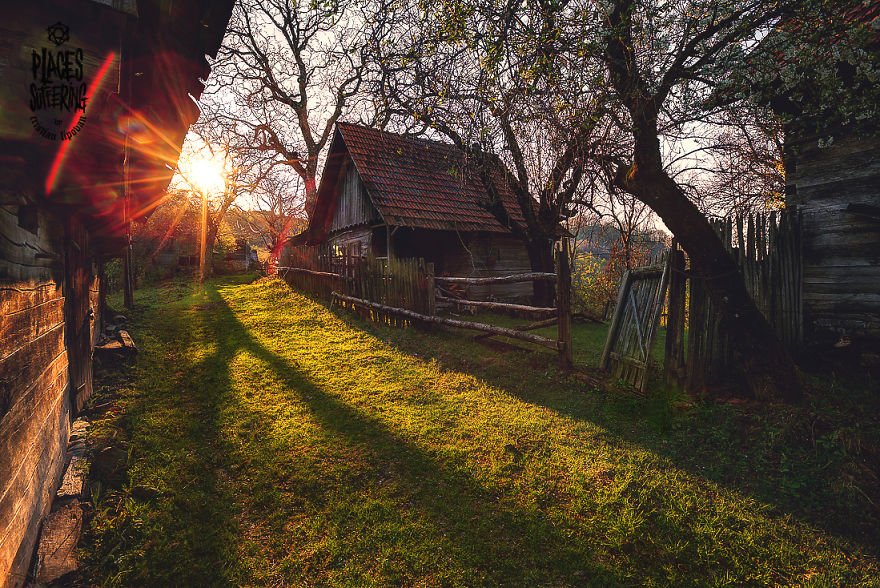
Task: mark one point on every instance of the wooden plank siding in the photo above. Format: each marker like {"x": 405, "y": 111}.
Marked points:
{"x": 39, "y": 301}
{"x": 833, "y": 187}
{"x": 353, "y": 206}
{"x": 470, "y": 254}
{"x": 34, "y": 377}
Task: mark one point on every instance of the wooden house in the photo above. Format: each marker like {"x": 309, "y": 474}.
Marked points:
{"x": 385, "y": 194}
{"x": 833, "y": 180}
{"x": 95, "y": 100}
{"x": 837, "y": 191}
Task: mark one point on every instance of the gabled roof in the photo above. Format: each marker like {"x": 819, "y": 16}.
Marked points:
{"x": 412, "y": 182}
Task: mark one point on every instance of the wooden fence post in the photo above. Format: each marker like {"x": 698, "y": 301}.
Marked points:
{"x": 675, "y": 318}
{"x": 430, "y": 294}
{"x": 563, "y": 305}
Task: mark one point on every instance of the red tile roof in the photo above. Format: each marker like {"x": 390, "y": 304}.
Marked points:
{"x": 415, "y": 182}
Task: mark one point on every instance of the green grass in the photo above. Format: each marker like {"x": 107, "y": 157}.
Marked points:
{"x": 587, "y": 337}
{"x": 276, "y": 442}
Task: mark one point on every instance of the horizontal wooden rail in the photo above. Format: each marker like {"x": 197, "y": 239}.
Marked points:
{"x": 310, "y": 272}
{"x": 503, "y": 331}
{"x": 530, "y": 277}
{"x": 499, "y": 305}
{"x": 648, "y": 271}
{"x": 538, "y": 325}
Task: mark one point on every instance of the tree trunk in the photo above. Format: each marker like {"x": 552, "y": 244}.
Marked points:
{"x": 767, "y": 366}
{"x": 311, "y": 191}
{"x": 278, "y": 246}
{"x": 210, "y": 238}
{"x": 541, "y": 260}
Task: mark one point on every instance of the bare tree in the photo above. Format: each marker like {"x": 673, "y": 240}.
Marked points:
{"x": 241, "y": 172}
{"x": 730, "y": 161}
{"x": 277, "y": 206}
{"x": 287, "y": 71}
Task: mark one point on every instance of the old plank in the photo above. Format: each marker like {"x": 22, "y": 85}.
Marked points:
{"x": 21, "y": 424}
{"x": 28, "y": 497}
{"x": 498, "y": 305}
{"x": 527, "y": 277}
{"x": 29, "y": 361}
{"x": 21, "y": 327}
{"x": 56, "y": 552}
{"x": 24, "y": 295}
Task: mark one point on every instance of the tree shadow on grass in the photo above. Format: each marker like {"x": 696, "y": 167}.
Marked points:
{"x": 492, "y": 541}
{"x": 819, "y": 465}
{"x": 175, "y": 526}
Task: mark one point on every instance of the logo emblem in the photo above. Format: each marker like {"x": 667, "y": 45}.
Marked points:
{"x": 58, "y": 92}
{"x": 59, "y": 33}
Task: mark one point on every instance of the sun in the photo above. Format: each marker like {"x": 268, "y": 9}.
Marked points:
{"x": 204, "y": 172}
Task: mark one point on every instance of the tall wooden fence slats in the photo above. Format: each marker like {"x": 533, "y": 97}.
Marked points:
{"x": 400, "y": 283}
{"x": 767, "y": 250}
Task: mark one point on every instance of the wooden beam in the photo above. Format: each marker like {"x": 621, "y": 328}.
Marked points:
{"x": 529, "y": 277}
{"x": 303, "y": 270}
{"x": 503, "y": 331}
{"x": 498, "y": 305}
{"x": 530, "y": 327}
{"x": 563, "y": 304}
{"x": 625, "y": 284}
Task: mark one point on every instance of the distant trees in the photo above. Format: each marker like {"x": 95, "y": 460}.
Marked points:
{"x": 274, "y": 210}
{"x": 233, "y": 177}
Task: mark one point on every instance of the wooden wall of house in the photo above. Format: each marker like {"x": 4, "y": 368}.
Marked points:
{"x": 837, "y": 189}
{"x": 47, "y": 287}
{"x": 356, "y": 241}
{"x": 353, "y": 206}
{"x": 34, "y": 379}
{"x": 470, "y": 254}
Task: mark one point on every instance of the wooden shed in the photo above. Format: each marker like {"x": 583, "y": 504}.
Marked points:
{"x": 95, "y": 101}
{"x": 387, "y": 194}
{"x": 837, "y": 191}
{"x": 833, "y": 180}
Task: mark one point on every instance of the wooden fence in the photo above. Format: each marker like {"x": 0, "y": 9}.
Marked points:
{"x": 767, "y": 250}
{"x": 401, "y": 292}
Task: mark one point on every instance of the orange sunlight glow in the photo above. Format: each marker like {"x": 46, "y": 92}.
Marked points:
{"x": 204, "y": 172}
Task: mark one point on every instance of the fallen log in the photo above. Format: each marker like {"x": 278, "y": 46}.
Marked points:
{"x": 503, "y": 331}
{"x": 498, "y": 305}
{"x": 497, "y": 279}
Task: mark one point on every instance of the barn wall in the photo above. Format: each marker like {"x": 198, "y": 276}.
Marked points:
{"x": 840, "y": 249}
{"x": 470, "y": 254}
{"x": 353, "y": 206}
{"x": 357, "y": 241}
{"x": 34, "y": 380}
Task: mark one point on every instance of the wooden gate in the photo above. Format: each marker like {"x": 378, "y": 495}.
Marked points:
{"x": 640, "y": 299}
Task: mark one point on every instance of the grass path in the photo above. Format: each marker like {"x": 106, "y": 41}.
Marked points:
{"x": 274, "y": 442}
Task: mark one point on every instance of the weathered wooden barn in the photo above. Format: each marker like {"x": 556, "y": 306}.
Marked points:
{"x": 386, "y": 194}
{"x": 833, "y": 180}
{"x": 837, "y": 191}
{"x": 95, "y": 101}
